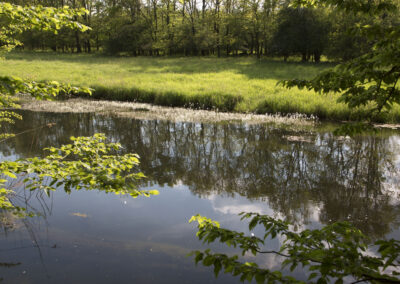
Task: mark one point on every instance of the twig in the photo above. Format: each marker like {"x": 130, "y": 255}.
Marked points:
{"x": 49, "y": 125}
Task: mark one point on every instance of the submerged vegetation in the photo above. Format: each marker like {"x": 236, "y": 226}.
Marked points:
{"x": 225, "y": 84}
{"x": 152, "y": 112}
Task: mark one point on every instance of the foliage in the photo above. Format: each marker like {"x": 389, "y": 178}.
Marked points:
{"x": 330, "y": 254}
{"x": 12, "y": 86}
{"x": 15, "y": 19}
{"x": 187, "y": 27}
{"x": 39, "y": 90}
{"x": 301, "y": 31}
{"x": 370, "y": 80}
{"x": 88, "y": 163}
{"x": 344, "y": 43}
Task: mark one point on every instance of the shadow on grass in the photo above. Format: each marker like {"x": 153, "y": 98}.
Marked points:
{"x": 220, "y": 102}
{"x": 250, "y": 67}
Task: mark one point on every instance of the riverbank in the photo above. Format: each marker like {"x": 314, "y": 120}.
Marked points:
{"x": 243, "y": 85}
{"x": 143, "y": 111}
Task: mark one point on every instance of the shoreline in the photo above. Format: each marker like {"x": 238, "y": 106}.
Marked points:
{"x": 155, "y": 112}
{"x": 176, "y": 114}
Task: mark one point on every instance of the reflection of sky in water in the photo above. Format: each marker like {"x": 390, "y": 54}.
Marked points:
{"x": 93, "y": 237}
{"x": 118, "y": 238}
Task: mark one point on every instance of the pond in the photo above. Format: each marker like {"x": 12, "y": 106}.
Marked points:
{"x": 308, "y": 177}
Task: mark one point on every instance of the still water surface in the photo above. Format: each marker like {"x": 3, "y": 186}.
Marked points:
{"x": 310, "y": 178}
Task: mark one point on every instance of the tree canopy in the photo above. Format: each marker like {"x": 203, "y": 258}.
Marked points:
{"x": 206, "y": 27}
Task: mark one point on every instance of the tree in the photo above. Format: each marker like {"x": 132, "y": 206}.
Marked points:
{"x": 301, "y": 31}
{"x": 371, "y": 80}
{"x": 345, "y": 45}
{"x": 17, "y": 19}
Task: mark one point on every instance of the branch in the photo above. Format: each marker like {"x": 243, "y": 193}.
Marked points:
{"x": 49, "y": 125}
{"x": 274, "y": 252}
{"x": 362, "y": 280}
{"x": 379, "y": 279}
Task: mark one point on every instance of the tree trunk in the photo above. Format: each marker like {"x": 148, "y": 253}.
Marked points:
{"x": 78, "y": 43}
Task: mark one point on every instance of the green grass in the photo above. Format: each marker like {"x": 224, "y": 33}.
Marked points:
{"x": 227, "y": 84}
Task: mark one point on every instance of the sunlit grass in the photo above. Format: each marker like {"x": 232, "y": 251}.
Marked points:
{"x": 228, "y": 84}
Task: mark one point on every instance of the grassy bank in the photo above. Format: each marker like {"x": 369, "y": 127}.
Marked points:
{"x": 228, "y": 84}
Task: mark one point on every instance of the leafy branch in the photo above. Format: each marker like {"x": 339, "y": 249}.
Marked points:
{"x": 19, "y": 19}
{"x": 330, "y": 254}
{"x": 88, "y": 163}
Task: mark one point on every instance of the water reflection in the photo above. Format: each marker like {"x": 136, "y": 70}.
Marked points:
{"x": 320, "y": 178}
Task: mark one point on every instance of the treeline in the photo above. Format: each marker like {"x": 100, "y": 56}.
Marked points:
{"x": 206, "y": 27}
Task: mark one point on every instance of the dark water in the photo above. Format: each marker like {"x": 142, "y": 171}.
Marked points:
{"x": 217, "y": 170}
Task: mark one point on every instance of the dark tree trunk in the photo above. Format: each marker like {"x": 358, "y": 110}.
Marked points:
{"x": 78, "y": 43}
{"x": 317, "y": 57}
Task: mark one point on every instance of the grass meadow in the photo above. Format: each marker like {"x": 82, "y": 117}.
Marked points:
{"x": 227, "y": 84}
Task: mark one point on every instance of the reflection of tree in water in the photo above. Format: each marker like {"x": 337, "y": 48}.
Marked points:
{"x": 341, "y": 178}
{"x": 352, "y": 183}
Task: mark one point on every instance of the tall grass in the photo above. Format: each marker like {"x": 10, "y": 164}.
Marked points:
{"x": 227, "y": 84}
